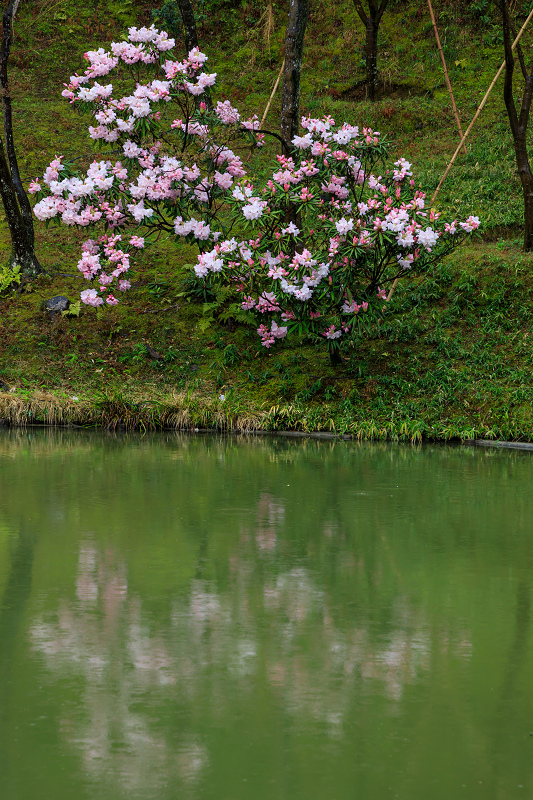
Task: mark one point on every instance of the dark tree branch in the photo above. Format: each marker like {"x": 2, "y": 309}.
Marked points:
{"x": 7, "y": 32}
{"x": 518, "y": 123}
{"x": 360, "y": 10}
{"x": 519, "y": 50}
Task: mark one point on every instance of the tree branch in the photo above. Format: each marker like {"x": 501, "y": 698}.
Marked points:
{"x": 509, "y": 70}
{"x": 519, "y": 50}
{"x": 382, "y": 8}
{"x": 360, "y": 10}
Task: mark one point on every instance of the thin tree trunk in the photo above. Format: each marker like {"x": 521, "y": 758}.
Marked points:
{"x": 16, "y": 203}
{"x": 371, "y": 50}
{"x": 290, "y": 95}
{"x": 518, "y": 124}
{"x": 189, "y": 24}
{"x": 371, "y": 21}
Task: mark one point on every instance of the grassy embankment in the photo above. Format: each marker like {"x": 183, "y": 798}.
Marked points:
{"x": 455, "y": 355}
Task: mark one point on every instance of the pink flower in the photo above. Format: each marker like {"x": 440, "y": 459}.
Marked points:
{"x": 331, "y": 333}
{"x": 90, "y": 298}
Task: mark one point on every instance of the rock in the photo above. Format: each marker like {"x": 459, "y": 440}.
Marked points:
{"x": 55, "y": 305}
{"x": 153, "y": 353}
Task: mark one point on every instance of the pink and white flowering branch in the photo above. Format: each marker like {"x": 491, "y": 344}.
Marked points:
{"x": 171, "y": 173}
{"x": 328, "y": 236}
{"x": 318, "y": 244}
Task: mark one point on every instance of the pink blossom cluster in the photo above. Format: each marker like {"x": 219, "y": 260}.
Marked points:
{"x": 105, "y": 261}
{"x": 174, "y": 188}
{"x": 269, "y": 336}
{"x": 329, "y": 234}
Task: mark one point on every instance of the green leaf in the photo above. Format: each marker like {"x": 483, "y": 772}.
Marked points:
{"x": 73, "y": 310}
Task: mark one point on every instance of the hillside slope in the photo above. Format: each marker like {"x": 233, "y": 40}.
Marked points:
{"x": 453, "y": 357}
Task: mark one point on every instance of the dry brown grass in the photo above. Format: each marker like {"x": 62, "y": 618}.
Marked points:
{"x": 42, "y": 407}
{"x": 113, "y": 410}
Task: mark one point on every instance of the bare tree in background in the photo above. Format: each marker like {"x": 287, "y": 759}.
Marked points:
{"x": 371, "y": 21}
{"x": 189, "y": 24}
{"x": 519, "y": 119}
{"x": 177, "y": 17}
{"x": 16, "y": 204}
{"x": 290, "y": 93}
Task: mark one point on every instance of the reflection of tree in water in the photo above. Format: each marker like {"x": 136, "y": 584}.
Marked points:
{"x": 101, "y": 636}
{"x": 272, "y": 626}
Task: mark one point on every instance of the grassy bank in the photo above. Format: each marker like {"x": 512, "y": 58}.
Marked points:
{"x": 453, "y": 357}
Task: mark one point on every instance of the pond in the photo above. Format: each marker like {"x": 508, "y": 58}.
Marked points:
{"x": 261, "y": 618}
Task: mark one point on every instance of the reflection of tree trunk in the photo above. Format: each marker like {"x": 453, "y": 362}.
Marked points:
{"x": 202, "y": 556}
{"x": 514, "y": 664}
{"x": 12, "y": 610}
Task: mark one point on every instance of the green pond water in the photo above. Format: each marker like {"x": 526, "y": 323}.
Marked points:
{"x": 260, "y": 619}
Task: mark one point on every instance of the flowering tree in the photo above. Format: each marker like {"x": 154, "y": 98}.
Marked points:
{"x": 327, "y": 277}
{"x": 314, "y": 249}
{"x": 172, "y": 173}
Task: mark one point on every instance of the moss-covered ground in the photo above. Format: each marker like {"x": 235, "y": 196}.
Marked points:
{"x": 454, "y": 356}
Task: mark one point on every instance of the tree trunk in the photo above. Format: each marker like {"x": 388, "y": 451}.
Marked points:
{"x": 334, "y": 354}
{"x": 189, "y": 24}
{"x": 526, "y": 179}
{"x": 290, "y": 94}
{"x": 16, "y": 204}
{"x": 371, "y": 51}
{"x": 371, "y": 21}
{"x": 519, "y": 123}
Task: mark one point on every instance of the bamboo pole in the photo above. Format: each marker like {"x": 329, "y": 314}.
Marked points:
{"x": 466, "y": 133}
{"x": 274, "y": 90}
{"x": 478, "y": 112}
{"x": 445, "y": 68}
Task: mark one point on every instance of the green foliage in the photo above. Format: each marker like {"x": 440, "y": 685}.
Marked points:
{"x": 73, "y": 310}
{"x": 9, "y": 276}
{"x": 169, "y": 18}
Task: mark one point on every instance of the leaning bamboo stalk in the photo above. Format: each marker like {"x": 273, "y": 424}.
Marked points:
{"x": 274, "y": 90}
{"x": 465, "y": 135}
{"x": 445, "y": 68}
{"x": 478, "y": 112}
